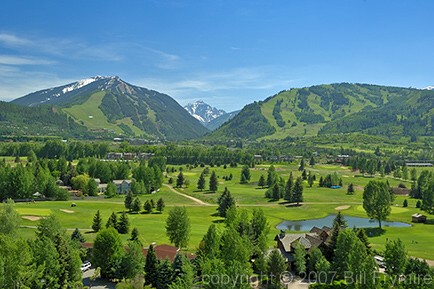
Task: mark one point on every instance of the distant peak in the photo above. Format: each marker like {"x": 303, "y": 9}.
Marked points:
{"x": 431, "y": 87}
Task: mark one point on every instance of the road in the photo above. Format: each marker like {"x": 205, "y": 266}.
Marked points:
{"x": 98, "y": 283}
{"x": 197, "y": 201}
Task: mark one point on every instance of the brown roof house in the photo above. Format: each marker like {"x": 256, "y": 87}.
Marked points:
{"x": 286, "y": 243}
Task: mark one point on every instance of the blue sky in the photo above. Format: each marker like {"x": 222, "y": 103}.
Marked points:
{"x": 227, "y": 53}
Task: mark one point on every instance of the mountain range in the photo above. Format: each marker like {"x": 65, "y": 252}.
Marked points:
{"x": 335, "y": 109}
{"x": 109, "y": 104}
{"x": 211, "y": 117}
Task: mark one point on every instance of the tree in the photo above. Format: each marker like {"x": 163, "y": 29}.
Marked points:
{"x": 210, "y": 245}
{"x": 271, "y": 176}
{"x": 300, "y": 258}
{"x": 395, "y": 257}
{"x": 147, "y": 207}
{"x": 376, "y": 201}
{"x": 261, "y": 182}
{"x": 405, "y": 203}
{"x": 301, "y": 167}
{"x": 297, "y": 192}
{"x": 111, "y": 190}
{"x": 164, "y": 275}
{"x": 128, "y": 202}
{"x": 276, "y": 266}
{"x": 123, "y": 225}
{"x": 213, "y": 182}
{"x": 361, "y": 234}
{"x": 275, "y": 193}
{"x": 160, "y": 205}
{"x": 134, "y": 235}
{"x": 10, "y": 219}
{"x": 107, "y": 252}
{"x": 49, "y": 227}
{"x": 151, "y": 267}
{"x": 137, "y": 205}
{"x": 132, "y": 262}
{"x": 77, "y": 236}
{"x": 178, "y": 226}
{"x": 97, "y": 222}
{"x": 225, "y": 201}
{"x": 183, "y": 273}
{"x": 311, "y": 161}
{"x": 201, "y": 182}
{"x": 350, "y": 189}
{"x": 92, "y": 187}
{"x": 180, "y": 180}
{"x": 288, "y": 189}
{"x": 112, "y": 221}
{"x": 245, "y": 174}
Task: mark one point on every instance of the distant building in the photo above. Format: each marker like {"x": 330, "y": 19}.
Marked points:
{"x": 122, "y": 186}
{"x": 164, "y": 252}
{"x": 145, "y": 156}
{"x": 129, "y": 156}
{"x": 419, "y": 164}
{"x": 418, "y": 218}
{"x": 114, "y": 156}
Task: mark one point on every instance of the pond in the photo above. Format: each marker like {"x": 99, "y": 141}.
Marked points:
{"x": 306, "y": 225}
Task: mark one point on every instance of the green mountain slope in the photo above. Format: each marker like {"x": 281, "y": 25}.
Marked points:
{"x": 16, "y": 120}
{"x": 327, "y": 108}
{"x": 108, "y": 104}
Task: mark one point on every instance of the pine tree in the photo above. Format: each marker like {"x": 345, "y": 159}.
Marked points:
{"x": 97, "y": 222}
{"x": 350, "y": 190}
{"x": 180, "y": 180}
{"x": 151, "y": 267}
{"x": 261, "y": 181}
{"x": 288, "y": 188}
{"x": 298, "y": 191}
{"x": 134, "y": 234}
{"x": 361, "y": 234}
{"x": 312, "y": 161}
{"x": 301, "y": 167}
{"x": 201, "y": 182}
{"x": 213, "y": 182}
{"x": 147, "y": 207}
{"x": 310, "y": 179}
{"x": 160, "y": 205}
{"x": 123, "y": 225}
{"x": 225, "y": 201}
{"x": 77, "y": 236}
{"x": 209, "y": 247}
{"x": 271, "y": 176}
{"x": 164, "y": 275}
{"x": 405, "y": 203}
{"x": 276, "y": 191}
{"x": 245, "y": 174}
{"x": 137, "y": 205}
{"x": 129, "y": 200}
{"x": 304, "y": 175}
{"x": 112, "y": 221}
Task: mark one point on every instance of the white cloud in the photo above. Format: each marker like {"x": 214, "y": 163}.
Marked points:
{"x": 19, "y": 60}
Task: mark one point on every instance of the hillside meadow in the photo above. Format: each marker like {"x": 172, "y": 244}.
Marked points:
{"x": 318, "y": 203}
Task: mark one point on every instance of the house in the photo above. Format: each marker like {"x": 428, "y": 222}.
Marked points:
{"x": 129, "y": 156}
{"x": 164, "y": 252}
{"x": 114, "y": 156}
{"x": 419, "y": 164}
{"x": 287, "y": 243}
{"x": 418, "y": 218}
{"x": 122, "y": 186}
{"x": 145, "y": 156}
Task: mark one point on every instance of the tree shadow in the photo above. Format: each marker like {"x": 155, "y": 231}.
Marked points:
{"x": 215, "y": 214}
{"x": 209, "y": 192}
{"x": 218, "y": 221}
{"x": 374, "y": 232}
{"x": 293, "y": 205}
{"x": 272, "y": 201}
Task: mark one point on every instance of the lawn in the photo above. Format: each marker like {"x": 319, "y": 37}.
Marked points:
{"x": 319, "y": 202}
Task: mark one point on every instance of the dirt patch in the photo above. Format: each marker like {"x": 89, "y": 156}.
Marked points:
{"x": 341, "y": 208}
{"x": 31, "y": 218}
{"x": 359, "y": 188}
{"x": 67, "y": 211}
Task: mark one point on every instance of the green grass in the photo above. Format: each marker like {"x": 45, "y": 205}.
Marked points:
{"x": 320, "y": 202}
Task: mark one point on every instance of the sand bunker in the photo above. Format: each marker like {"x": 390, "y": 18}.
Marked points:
{"x": 31, "y": 218}
{"x": 341, "y": 208}
{"x": 67, "y": 211}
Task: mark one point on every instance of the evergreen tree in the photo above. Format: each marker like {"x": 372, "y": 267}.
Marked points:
{"x": 312, "y": 161}
{"x": 405, "y": 203}
{"x": 271, "y": 176}
{"x": 301, "y": 167}
{"x": 225, "y": 201}
{"x": 135, "y": 235}
{"x": 77, "y": 236}
{"x": 97, "y": 222}
{"x": 213, "y": 182}
{"x": 210, "y": 245}
{"x": 276, "y": 192}
{"x": 160, "y": 205}
{"x": 132, "y": 262}
{"x": 350, "y": 189}
{"x": 395, "y": 257}
{"x": 180, "y": 180}
{"x": 361, "y": 234}
{"x": 310, "y": 180}
{"x": 245, "y": 174}
{"x": 147, "y": 207}
{"x": 112, "y": 221}
{"x": 164, "y": 275}
{"x": 137, "y": 205}
{"x": 124, "y": 225}
{"x": 276, "y": 266}
{"x": 151, "y": 267}
{"x": 304, "y": 175}
{"x": 288, "y": 188}
{"x": 298, "y": 191}
{"x": 128, "y": 202}
{"x": 201, "y": 182}
{"x": 300, "y": 258}
{"x": 92, "y": 187}
{"x": 110, "y": 190}
{"x": 261, "y": 182}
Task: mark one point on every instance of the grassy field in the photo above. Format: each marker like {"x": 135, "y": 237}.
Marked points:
{"x": 319, "y": 202}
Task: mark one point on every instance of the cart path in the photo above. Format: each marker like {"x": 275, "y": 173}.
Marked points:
{"x": 197, "y": 201}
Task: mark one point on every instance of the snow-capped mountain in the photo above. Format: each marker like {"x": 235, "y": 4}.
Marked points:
{"x": 63, "y": 93}
{"x": 203, "y": 112}
{"x": 431, "y": 87}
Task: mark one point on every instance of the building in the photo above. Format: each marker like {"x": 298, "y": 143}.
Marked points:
{"x": 122, "y": 186}
{"x": 114, "y": 156}
{"x": 419, "y": 164}
{"x": 316, "y": 238}
{"x": 164, "y": 252}
{"x": 418, "y": 218}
